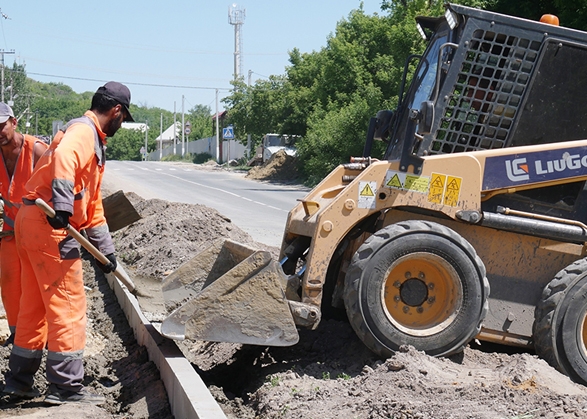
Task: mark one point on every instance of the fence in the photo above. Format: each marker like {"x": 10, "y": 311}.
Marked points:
{"x": 231, "y": 150}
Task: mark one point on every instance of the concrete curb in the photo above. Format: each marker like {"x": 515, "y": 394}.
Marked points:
{"x": 188, "y": 395}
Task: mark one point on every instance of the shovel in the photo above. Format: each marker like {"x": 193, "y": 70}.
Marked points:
{"x": 119, "y": 272}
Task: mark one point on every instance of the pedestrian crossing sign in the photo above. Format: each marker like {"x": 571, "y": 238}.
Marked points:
{"x": 228, "y": 132}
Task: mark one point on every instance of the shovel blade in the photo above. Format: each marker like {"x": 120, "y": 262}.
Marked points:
{"x": 246, "y": 304}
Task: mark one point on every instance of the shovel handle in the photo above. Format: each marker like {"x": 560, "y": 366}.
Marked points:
{"x": 119, "y": 273}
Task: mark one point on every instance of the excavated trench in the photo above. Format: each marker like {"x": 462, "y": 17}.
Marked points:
{"x": 329, "y": 373}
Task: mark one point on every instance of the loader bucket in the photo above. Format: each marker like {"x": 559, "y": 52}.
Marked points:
{"x": 229, "y": 292}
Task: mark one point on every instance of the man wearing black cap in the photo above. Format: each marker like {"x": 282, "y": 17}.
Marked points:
{"x": 68, "y": 177}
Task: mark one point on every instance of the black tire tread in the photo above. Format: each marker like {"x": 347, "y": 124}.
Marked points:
{"x": 371, "y": 245}
{"x": 549, "y": 314}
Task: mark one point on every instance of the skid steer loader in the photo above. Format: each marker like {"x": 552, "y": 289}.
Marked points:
{"x": 482, "y": 187}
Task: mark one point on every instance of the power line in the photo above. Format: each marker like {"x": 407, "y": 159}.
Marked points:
{"x": 129, "y": 82}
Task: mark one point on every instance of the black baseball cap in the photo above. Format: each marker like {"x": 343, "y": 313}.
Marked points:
{"x": 120, "y": 93}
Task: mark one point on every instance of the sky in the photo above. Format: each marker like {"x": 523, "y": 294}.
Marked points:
{"x": 169, "y": 53}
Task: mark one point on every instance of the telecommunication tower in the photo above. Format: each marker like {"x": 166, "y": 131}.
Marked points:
{"x": 236, "y": 17}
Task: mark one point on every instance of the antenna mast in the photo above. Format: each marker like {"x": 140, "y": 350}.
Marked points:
{"x": 236, "y": 17}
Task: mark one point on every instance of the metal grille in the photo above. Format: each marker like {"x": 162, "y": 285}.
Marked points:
{"x": 487, "y": 93}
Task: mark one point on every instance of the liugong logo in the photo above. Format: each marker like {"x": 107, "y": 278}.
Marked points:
{"x": 517, "y": 170}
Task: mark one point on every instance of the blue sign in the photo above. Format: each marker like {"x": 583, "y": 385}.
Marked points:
{"x": 539, "y": 166}
{"x": 228, "y": 133}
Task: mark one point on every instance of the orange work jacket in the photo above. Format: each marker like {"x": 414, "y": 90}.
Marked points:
{"x": 12, "y": 188}
{"x": 69, "y": 175}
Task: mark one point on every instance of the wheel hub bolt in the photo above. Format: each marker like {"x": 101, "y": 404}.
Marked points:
{"x": 396, "y": 298}
{"x": 408, "y": 274}
{"x": 421, "y": 275}
{"x": 431, "y": 300}
{"x": 406, "y": 309}
{"x": 397, "y": 284}
{"x": 431, "y": 286}
{"x": 420, "y": 310}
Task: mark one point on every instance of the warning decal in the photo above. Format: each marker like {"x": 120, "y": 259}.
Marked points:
{"x": 444, "y": 189}
{"x": 394, "y": 182}
{"x": 367, "y": 191}
{"x": 416, "y": 183}
{"x": 404, "y": 181}
{"x": 452, "y": 191}
{"x": 367, "y": 194}
{"x": 436, "y": 192}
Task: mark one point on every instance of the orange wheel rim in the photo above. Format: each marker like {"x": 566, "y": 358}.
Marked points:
{"x": 422, "y": 294}
{"x": 582, "y": 346}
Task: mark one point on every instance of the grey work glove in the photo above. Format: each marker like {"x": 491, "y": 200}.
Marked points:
{"x": 110, "y": 266}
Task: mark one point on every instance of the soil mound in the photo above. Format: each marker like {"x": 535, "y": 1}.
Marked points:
{"x": 280, "y": 167}
{"x": 169, "y": 234}
{"x": 329, "y": 373}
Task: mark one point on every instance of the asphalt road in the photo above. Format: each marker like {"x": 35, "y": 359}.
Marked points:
{"x": 259, "y": 208}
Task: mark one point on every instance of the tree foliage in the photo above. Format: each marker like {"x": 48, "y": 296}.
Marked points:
{"x": 328, "y": 96}
{"x": 40, "y": 104}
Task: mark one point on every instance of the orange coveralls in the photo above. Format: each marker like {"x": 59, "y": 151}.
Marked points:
{"x": 53, "y": 310}
{"x": 12, "y": 190}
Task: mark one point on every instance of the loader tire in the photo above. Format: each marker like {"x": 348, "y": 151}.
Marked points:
{"x": 559, "y": 331}
{"x": 416, "y": 283}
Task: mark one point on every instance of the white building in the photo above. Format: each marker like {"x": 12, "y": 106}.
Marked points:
{"x": 137, "y": 126}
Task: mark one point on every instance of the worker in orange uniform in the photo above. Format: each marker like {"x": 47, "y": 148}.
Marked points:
{"x": 20, "y": 153}
{"x": 67, "y": 177}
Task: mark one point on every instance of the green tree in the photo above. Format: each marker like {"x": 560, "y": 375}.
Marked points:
{"x": 126, "y": 144}
{"x": 200, "y": 116}
{"x": 328, "y": 96}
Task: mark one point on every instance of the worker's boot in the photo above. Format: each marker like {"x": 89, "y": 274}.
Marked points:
{"x": 55, "y": 395}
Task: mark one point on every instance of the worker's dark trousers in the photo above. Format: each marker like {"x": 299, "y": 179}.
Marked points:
{"x": 66, "y": 371}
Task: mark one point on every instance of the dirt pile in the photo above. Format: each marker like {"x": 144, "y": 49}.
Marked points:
{"x": 280, "y": 167}
{"x": 169, "y": 234}
{"x": 329, "y": 373}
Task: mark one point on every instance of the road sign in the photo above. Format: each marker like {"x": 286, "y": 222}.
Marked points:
{"x": 187, "y": 131}
{"x": 142, "y": 150}
{"x": 228, "y": 133}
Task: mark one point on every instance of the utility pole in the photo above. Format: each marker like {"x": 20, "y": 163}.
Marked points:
{"x": 146, "y": 142}
{"x": 161, "y": 138}
{"x": 2, "y": 52}
{"x": 182, "y": 125}
{"x": 174, "y": 131}
{"x": 218, "y": 159}
{"x": 236, "y": 17}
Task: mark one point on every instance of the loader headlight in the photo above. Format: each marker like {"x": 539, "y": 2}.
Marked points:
{"x": 421, "y": 30}
{"x": 451, "y": 19}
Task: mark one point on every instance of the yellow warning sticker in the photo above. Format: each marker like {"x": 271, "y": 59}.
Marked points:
{"x": 394, "y": 182}
{"x": 417, "y": 183}
{"x": 404, "y": 181}
{"x": 367, "y": 192}
{"x": 452, "y": 191}
{"x": 436, "y": 192}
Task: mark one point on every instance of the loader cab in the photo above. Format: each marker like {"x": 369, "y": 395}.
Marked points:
{"x": 493, "y": 81}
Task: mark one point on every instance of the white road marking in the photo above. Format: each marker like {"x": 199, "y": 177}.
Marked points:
{"x": 218, "y": 189}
